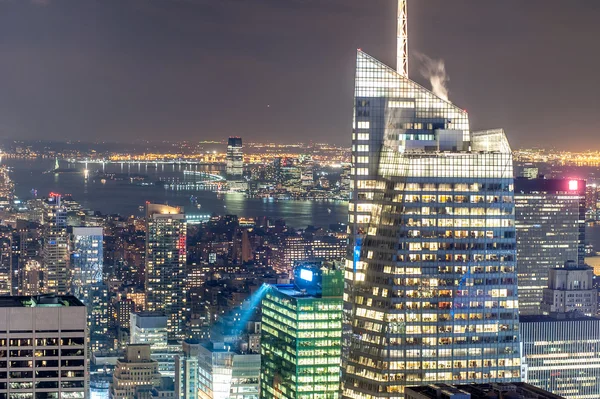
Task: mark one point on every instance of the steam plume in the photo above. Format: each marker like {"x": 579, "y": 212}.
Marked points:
{"x": 435, "y": 72}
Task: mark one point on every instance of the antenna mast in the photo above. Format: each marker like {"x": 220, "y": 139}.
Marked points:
{"x": 402, "y": 51}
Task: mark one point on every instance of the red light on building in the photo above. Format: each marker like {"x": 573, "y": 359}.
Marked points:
{"x": 573, "y": 185}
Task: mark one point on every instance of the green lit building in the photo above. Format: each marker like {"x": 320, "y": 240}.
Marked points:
{"x": 301, "y": 336}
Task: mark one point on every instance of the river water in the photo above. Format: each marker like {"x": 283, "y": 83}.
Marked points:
{"x": 125, "y": 197}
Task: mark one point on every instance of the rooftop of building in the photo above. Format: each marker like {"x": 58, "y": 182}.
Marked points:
{"x": 550, "y": 186}
{"x": 569, "y": 316}
{"x": 224, "y": 347}
{"x": 515, "y": 390}
{"x": 149, "y": 314}
{"x": 292, "y": 291}
{"x": 49, "y": 301}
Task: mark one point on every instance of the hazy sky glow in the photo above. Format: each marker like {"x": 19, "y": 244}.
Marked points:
{"x": 205, "y": 69}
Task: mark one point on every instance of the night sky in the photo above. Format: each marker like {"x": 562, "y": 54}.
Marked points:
{"x": 119, "y": 70}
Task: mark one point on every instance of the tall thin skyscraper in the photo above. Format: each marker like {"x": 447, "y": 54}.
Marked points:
{"x": 5, "y": 264}
{"x": 165, "y": 265}
{"x": 550, "y": 222}
{"x": 87, "y": 259}
{"x": 431, "y": 288}
{"x": 235, "y": 157}
{"x": 56, "y": 257}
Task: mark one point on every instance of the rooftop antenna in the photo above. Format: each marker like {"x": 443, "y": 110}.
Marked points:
{"x": 402, "y": 51}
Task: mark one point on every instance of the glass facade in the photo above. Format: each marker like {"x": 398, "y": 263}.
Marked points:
{"x": 5, "y": 265}
{"x": 562, "y": 356}
{"x": 56, "y": 257}
{"x": 431, "y": 288}
{"x": 235, "y": 157}
{"x": 550, "y": 222}
{"x": 227, "y": 374}
{"x": 87, "y": 260}
{"x": 165, "y": 265}
{"x": 301, "y": 342}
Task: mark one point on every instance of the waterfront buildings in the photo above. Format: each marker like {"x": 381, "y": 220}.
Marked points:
{"x": 301, "y": 336}
{"x": 165, "y": 265}
{"x": 235, "y": 157}
{"x": 135, "y": 373}
{"x": 43, "y": 347}
{"x": 87, "y": 259}
{"x": 550, "y": 223}
{"x": 515, "y": 390}
{"x": 431, "y": 288}
{"x": 227, "y": 373}
{"x": 570, "y": 288}
{"x": 561, "y": 353}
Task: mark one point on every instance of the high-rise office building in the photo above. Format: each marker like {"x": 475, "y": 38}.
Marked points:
{"x": 570, "y": 288}
{"x": 165, "y": 265}
{"x": 515, "y": 390}
{"x": 98, "y": 302}
{"x": 224, "y": 372}
{"x": 5, "y": 265}
{"x": 43, "y": 347}
{"x": 56, "y": 263}
{"x": 86, "y": 259}
{"x": 235, "y": 157}
{"x": 30, "y": 277}
{"x": 561, "y": 353}
{"x": 124, "y": 307}
{"x": 550, "y": 223}
{"x": 561, "y": 349}
{"x": 431, "y": 288}
{"x": 186, "y": 370}
{"x": 301, "y": 335}
{"x": 149, "y": 328}
{"x": 135, "y": 373}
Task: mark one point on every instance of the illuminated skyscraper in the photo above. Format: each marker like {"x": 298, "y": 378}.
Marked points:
{"x": 98, "y": 317}
{"x": 43, "y": 350}
{"x": 186, "y": 370}
{"x": 431, "y": 288}
{"x": 561, "y": 353}
{"x": 235, "y": 157}
{"x": 56, "y": 257}
{"x": 165, "y": 265}
{"x": 301, "y": 336}
{"x": 87, "y": 259}
{"x": 550, "y": 222}
{"x": 5, "y": 264}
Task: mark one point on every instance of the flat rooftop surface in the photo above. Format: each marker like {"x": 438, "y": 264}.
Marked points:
{"x": 547, "y": 318}
{"x": 48, "y": 301}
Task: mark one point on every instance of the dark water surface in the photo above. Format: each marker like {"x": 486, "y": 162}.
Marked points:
{"x": 125, "y": 197}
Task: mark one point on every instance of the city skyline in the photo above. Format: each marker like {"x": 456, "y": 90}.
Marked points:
{"x": 180, "y": 69}
{"x": 427, "y": 255}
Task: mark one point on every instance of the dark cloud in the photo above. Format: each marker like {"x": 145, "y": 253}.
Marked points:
{"x": 196, "y": 69}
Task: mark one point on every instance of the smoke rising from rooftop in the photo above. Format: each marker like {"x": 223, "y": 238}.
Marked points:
{"x": 435, "y": 71}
